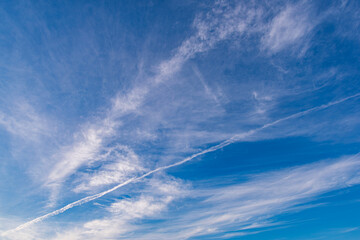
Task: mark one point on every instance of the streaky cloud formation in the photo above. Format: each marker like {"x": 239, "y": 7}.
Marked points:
{"x": 216, "y": 26}
{"x": 104, "y": 105}
{"x": 251, "y": 205}
{"x": 246, "y": 206}
{"x": 235, "y": 138}
{"x": 289, "y": 27}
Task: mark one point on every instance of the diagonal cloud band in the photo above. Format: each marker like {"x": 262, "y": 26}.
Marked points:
{"x": 221, "y": 145}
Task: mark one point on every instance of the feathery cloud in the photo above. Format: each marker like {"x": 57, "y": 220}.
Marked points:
{"x": 235, "y": 138}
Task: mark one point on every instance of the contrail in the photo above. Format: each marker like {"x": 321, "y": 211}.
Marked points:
{"x": 223, "y": 144}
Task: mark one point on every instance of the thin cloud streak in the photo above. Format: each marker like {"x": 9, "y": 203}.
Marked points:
{"x": 24, "y": 121}
{"x": 223, "y": 144}
{"x": 249, "y": 207}
{"x": 216, "y": 26}
{"x": 243, "y": 208}
{"x": 289, "y": 27}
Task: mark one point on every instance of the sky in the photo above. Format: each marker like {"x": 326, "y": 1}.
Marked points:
{"x": 179, "y": 120}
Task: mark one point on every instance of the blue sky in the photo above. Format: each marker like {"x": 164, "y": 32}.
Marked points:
{"x": 179, "y": 120}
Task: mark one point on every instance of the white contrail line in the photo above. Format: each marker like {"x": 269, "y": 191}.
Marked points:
{"x": 225, "y": 143}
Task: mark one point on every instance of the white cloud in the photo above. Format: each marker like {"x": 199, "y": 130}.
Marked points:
{"x": 219, "y": 24}
{"x": 85, "y": 150}
{"x": 249, "y": 204}
{"x": 212, "y": 94}
{"x": 32, "y": 233}
{"x": 289, "y": 27}
{"x": 247, "y": 207}
{"x": 120, "y": 164}
{"x": 235, "y": 138}
{"x": 25, "y": 122}
{"x": 125, "y": 213}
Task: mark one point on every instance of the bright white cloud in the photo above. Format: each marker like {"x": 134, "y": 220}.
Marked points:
{"x": 125, "y": 213}
{"x": 245, "y": 207}
{"x": 24, "y": 121}
{"x": 140, "y": 116}
{"x": 120, "y": 163}
{"x": 235, "y": 138}
{"x": 289, "y": 27}
{"x": 251, "y": 205}
{"x": 219, "y": 24}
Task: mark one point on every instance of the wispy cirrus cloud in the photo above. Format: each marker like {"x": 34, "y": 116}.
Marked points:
{"x": 224, "y": 21}
{"x": 179, "y": 108}
{"x": 251, "y": 205}
{"x": 217, "y": 25}
{"x": 119, "y": 164}
{"x": 241, "y": 209}
{"x": 153, "y": 199}
{"x": 235, "y": 138}
{"x": 22, "y": 120}
{"x": 290, "y": 27}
